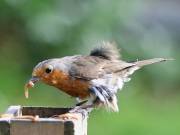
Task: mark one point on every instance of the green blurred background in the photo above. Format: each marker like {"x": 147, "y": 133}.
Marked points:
{"x": 34, "y": 30}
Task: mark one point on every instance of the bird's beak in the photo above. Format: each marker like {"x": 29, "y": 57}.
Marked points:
{"x": 29, "y": 85}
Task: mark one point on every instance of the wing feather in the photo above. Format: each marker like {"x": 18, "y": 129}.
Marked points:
{"x": 91, "y": 67}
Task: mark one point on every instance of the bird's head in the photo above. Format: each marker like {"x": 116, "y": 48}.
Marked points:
{"x": 48, "y": 71}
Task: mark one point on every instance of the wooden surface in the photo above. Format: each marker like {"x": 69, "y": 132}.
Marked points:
{"x": 45, "y": 125}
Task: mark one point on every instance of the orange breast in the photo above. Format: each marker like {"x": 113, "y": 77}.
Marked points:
{"x": 74, "y": 87}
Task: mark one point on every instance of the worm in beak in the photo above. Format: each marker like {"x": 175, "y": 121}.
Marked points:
{"x": 29, "y": 85}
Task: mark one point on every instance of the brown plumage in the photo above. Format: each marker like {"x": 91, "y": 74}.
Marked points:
{"x": 95, "y": 77}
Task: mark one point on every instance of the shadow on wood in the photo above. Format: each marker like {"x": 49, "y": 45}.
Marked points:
{"x": 44, "y": 125}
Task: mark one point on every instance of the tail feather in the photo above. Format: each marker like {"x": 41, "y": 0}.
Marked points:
{"x": 126, "y": 72}
{"x": 150, "y": 61}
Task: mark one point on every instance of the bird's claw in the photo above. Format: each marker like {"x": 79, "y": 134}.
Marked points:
{"x": 67, "y": 116}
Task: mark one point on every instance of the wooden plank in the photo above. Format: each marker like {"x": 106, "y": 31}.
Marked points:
{"x": 43, "y": 112}
{"x": 45, "y": 125}
{"x": 4, "y": 128}
{"x": 37, "y": 128}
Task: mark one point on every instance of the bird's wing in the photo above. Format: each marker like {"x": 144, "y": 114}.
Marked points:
{"x": 91, "y": 67}
{"x": 86, "y": 67}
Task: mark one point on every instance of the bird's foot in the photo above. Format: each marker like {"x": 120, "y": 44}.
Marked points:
{"x": 28, "y": 117}
{"x": 67, "y": 116}
{"x": 75, "y": 112}
{"x": 79, "y": 109}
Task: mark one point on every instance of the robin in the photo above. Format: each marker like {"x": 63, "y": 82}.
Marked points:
{"x": 93, "y": 79}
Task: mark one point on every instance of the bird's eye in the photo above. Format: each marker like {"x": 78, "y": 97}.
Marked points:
{"x": 49, "y": 69}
